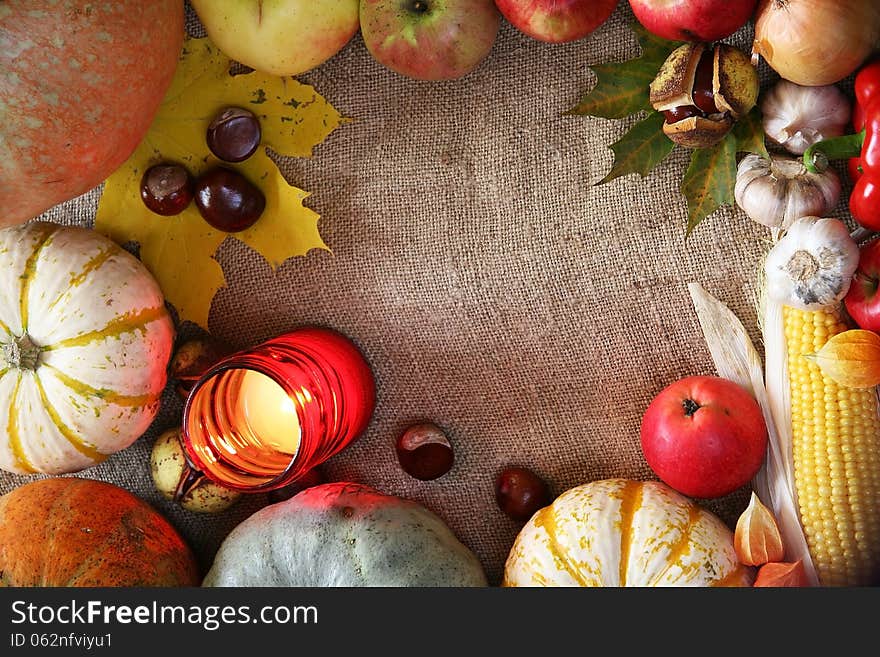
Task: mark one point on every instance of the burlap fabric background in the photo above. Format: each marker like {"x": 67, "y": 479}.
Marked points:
{"x": 494, "y": 289}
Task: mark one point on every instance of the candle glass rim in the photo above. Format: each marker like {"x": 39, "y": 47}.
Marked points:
{"x": 234, "y": 362}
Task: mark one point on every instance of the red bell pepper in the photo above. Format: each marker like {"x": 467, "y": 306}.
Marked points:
{"x": 863, "y": 149}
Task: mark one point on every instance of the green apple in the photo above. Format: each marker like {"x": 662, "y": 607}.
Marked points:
{"x": 430, "y": 39}
{"x": 281, "y": 37}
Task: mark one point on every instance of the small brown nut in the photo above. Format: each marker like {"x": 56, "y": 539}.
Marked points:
{"x": 424, "y": 451}
{"x": 234, "y": 134}
{"x": 702, "y": 90}
{"x": 178, "y": 481}
{"x": 192, "y": 359}
{"x": 520, "y": 492}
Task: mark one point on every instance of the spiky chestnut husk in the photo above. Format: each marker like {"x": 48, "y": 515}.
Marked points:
{"x": 734, "y": 92}
{"x": 192, "y": 359}
{"x": 175, "y": 478}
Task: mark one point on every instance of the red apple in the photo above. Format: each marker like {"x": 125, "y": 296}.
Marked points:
{"x": 429, "y": 39}
{"x": 556, "y": 21}
{"x": 863, "y": 301}
{"x": 704, "y": 436}
{"x": 693, "y": 20}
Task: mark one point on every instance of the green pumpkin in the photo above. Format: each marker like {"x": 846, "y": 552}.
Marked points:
{"x": 345, "y": 535}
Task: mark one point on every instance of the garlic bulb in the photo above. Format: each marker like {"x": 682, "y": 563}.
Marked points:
{"x": 812, "y": 266}
{"x": 778, "y": 191}
{"x": 796, "y": 117}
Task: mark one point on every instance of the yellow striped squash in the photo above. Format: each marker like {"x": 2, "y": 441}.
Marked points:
{"x": 617, "y": 532}
{"x": 85, "y": 340}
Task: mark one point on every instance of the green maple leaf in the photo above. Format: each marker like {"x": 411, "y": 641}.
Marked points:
{"x": 622, "y": 88}
{"x": 749, "y": 133}
{"x": 709, "y": 181}
{"x": 642, "y": 148}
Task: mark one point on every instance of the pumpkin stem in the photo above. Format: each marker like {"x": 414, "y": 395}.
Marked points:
{"x": 21, "y": 353}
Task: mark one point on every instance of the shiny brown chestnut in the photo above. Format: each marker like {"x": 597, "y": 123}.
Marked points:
{"x": 424, "y": 451}
{"x": 228, "y": 201}
{"x": 167, "y": 189}
{"x": 234, "y": 134}
{"x": 702, "y": 90}
{"x": 520, "y": 492}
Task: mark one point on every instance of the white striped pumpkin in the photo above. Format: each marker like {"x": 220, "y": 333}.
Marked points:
{"x": 617, "y": 532}
{"x": 85, "y": 340}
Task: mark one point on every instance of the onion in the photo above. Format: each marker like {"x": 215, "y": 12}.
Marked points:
{"x": 816, "y": 42}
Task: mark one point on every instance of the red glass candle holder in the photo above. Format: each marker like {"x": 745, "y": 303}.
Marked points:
{"x": 263, "y": 417}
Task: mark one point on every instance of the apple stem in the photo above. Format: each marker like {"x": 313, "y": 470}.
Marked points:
{"x": 690, "y": 407}
{"x": 862, "y": 279}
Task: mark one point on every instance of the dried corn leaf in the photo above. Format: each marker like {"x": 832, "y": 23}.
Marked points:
{"x": 736, "y": 358}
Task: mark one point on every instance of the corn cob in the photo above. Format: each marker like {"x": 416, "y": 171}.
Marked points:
{"x": 836, "y": 454}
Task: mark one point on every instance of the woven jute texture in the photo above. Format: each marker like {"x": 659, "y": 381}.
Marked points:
{"x": 495, "y": 289}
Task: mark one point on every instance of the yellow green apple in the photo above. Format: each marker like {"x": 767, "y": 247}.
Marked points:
{"x": 280, "y": 37}
{"x": 430, "y": 39}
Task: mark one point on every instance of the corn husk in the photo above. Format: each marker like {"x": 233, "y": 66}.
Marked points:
{"x": 736, "y": 358}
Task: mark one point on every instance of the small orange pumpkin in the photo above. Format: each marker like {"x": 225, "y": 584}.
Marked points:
{"x": 80, "y": 532}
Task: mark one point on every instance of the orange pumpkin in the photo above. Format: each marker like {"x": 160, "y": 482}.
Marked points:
{"x": 81, "y": 83}
{"x": 80, "y": 532}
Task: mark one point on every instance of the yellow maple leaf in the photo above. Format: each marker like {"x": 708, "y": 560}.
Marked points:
{"x": 179, "y": 250}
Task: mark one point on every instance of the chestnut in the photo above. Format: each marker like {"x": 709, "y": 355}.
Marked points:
{"x": 234, "y": 134}
{"x": 520, "y": 492}
{"x": 424, "y": 451}
{"x": 167, "y": 189}
{"x": 177, "y": 481}
{"x": 702, "y": 90}
{"x": 228, "y": 201}
{"x": 192, "y": 359}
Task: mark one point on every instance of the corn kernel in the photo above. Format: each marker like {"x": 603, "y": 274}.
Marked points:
{"x": 836, "y": 453}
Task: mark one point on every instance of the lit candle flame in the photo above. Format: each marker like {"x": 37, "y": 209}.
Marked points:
{"x": 269, "y": 412}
